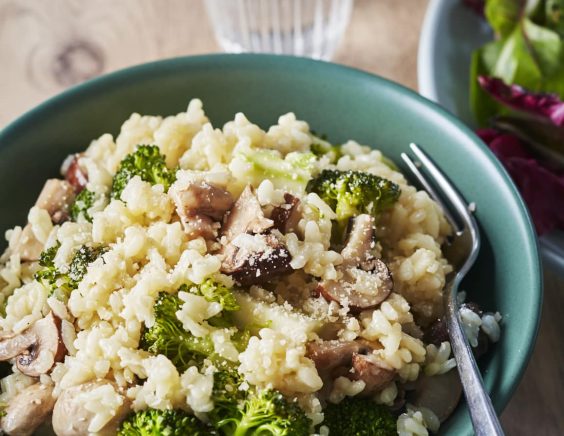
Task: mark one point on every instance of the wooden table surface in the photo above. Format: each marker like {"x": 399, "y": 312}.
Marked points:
{"x": 46, "y": 46}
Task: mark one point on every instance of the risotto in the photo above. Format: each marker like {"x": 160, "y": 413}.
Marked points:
{"x": 186, "y": 279}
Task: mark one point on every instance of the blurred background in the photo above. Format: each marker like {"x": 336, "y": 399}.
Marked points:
{"x": 48, "y": 46}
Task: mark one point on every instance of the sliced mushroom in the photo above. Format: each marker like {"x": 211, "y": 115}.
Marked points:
{"x": 437, "y": 332}
{"x": 71, "y": 418}
{"x": 201, "y": 198}
{"x": 440, "y": 393}
{"x": 360, "y": 241}
{"x": 27, "y": 410}
{"x": 358, "y": 289}
{"x": 200, "y": 225}
{"x": 372, "y": 371}
{"x": 366, "y": 281}
{"x": 13, "y": 345}
{"x": 47, "y": 349}
{"x": 246, "y": 216}
{"x": 37, "y": 349}
{"x": 287, "y": 216}
{"x": 352, "y": 359}
{"x": 328, "y": 355}
{"x": 255, "y": 259}
{"x": 199, "y": 204}
{"x": 56, "y": 197}
{"x": 74, "y": 173}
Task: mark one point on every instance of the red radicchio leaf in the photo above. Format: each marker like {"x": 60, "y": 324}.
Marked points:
{"x": 542, "y": 189}
{"x": 476, "y": 5}
{"x": 545, "y": 105}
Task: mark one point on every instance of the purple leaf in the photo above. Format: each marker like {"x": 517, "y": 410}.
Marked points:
{"x": 541, "y": 188}
{"x": 548, "y": 106}
{"x": 476, "y": 5}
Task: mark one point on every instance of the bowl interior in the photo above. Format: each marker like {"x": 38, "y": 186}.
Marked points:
{"x": 340, "y": 102}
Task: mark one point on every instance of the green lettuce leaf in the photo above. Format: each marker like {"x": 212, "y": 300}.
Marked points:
{"x": 505, "y": 15}
{"x": 529, "y": 51}
{"x": 554, "y": 13}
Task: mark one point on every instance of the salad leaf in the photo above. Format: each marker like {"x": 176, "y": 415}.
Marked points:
{"x": 546, "y": 106}
{"x": 554, "y": 12}
{"x": 536, "y": 118}
{"x": 541, "y": 188}
{"x": 529, "y": 56}
{"x": 483, "y": 60}
{"x": 517, "y": 86}
{"x": 529, "y": 51}
{"x": 504, "y": 15}
{"x": 544, "y": 138}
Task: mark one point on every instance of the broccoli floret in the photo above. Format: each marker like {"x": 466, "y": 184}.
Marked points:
{"x": 83, "y": 257}
{"x": 216, "y": 292}
{"x": 146, "y": 162}
{"x": 48, "y": 274}
{"x": 333, "y": 152}
{"x": 227, "y": 396}
{"x": 359, "y": 417}
{"x": 62, "y": 284}
{"x": 246, "y": 412}
{"x": 241, "y": 338}
{"x": 83, "y": 201}
{"x": 290, "y": 173}
{"x": 351, "y": 193}
{"x": 153, "y": 422}
{"x": 266, "y": 413}
{"x": 168, "y": 337}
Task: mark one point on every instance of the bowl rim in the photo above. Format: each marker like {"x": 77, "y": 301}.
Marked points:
{"x": 237, "y": 60}
{"x": 426, "y": 51}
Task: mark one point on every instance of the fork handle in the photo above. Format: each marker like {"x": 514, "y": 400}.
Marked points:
{"x": 482, "y": 413}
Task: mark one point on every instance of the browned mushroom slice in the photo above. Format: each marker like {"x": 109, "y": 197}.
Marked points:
{"x": 47, "y": 349}
{"x": 366, "y": 280}
{"x": 37, "y": 349}
{"x": 56, "y": 197}
{"x": 437, "y": 332}
{"x": 287, "y": 216}
{"x": 257, "y": 262}
{"x": 74, "y": 173}
{"x": 200, "y": 225}
{"x": 352, "y": 359}
{"x": 328, "y": 355}
{"x": 27, "y": 410}
{"x": 201, "y": 198}
{"x": 359, "y": 289}
{"x": 12, "y": 345}
{"x": 246, "y": 216}
{"x": 198, "y": 205}
{"x": 360, "y": 241}
{"x": 440, "y": 393}
{"x": 371, "y": 371}
{"x": 71, "y": 418}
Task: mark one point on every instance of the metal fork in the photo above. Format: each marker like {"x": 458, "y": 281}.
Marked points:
{"x": 461, "y": 251}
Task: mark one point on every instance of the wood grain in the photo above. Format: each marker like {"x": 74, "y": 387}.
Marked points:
{"x": 46, "y": 46}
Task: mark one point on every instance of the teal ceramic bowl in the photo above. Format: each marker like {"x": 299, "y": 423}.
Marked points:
{"x": 341, "y": 102}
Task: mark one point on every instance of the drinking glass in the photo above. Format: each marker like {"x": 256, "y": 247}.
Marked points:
{"x": 311, "y": 28}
